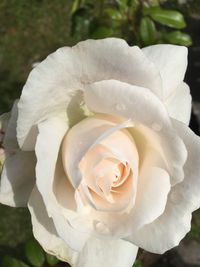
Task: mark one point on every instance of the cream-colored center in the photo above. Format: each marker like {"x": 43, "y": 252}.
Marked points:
{"x": 108, "y": 169}
{"x": 105, "y": 174}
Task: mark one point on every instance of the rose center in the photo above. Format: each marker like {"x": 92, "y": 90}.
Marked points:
{"x": 105, "y": 174}
{"x": 107, "y": 168}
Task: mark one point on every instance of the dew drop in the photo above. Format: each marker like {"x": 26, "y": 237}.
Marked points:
{"x": 101, "y": 228}
{"x": 120, "y": 106}
{"x": 156, "y": 126}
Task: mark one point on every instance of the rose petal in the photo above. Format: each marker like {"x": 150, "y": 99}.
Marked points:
{"x": 121, "y": 144}
{"x": 62, "y": 188}
{"x": 163, "y": 233}
{"x": 122, "y": 200}
{"x": 153, "y": 189}
{"x": 55, "y": 80}
{"x": 152, "y": 175}
{"x": 112, "y": 58}
{"x": 64, "y": 210}
{"x": 17, "y": 178}
{"x": 10, "y": 139}
{"x": 100, "y": 251}
{"x": 149, "y": 147}
{"x": 47, "y": 148}
{"x": 95, "y": 251}
{"x": 107, "y": 253}
{"x": 68, "y": 233}
{"x": 189, "y": 188}
{"x": 77, "y": 142}
{"x": 179, "y": 103}
{"x": 171, "y": 62}
{"x": 18, "y": 174}
{"x": 45, "y": 232}
{"x": 66, "y": 200}
{"x": 127, "y": 101}
{"x": 93, "y": 159}
{"x": 49, "y": 140}
{"x": 59, "y": 78}
{"x": 86, "y": 134}
{"x": 152, "y": 193}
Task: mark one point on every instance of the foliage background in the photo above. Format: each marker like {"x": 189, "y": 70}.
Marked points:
{"x": 32, "y": 29}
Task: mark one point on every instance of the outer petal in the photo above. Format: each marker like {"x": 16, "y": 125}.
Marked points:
{"x": 153, "y": 189}
{"x": 127, "y": 101}
{"x": 189, "y": 188}
{"x": 107, "y": 253}
{"x": 55, "y": 80}
{"x": 96, "y": 252}
{"x": 163, "y": 233}
{"x": 59, "y": 78}
{"x": 65, "y": 203}
{"x": 47, "y": 148}
{"x": 10, "y": 123}
{"x": 45, "y": 232}
{"x": 18, "y": 174}
{"x": 171, "y": 62}
{"x": 179, "y": 103}
{"x": 62, "y": 188}
{"x": 48, "y": 144}
{"x": 112, "y": 58}
{"x": 17, "y": 178}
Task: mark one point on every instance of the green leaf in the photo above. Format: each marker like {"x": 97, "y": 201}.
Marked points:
{"x": 113, "y": 13}
{"x": 123, "y": 5}
{"x": 51, "y": 260}
{"x": 147, "y": 31}
{"x": 137, "y": 263}
{"x": 178, "y": 37}
{"x": 34, "y": 253}
{"x": 170, "y": 18}
{"x": 80, "y": 23}
{"x": 75, "y": 6}
{"x": 9, "y": 261}
{"x": 102, "y": 32}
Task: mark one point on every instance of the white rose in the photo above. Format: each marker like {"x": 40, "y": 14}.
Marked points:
{"x": 106, "y": 161}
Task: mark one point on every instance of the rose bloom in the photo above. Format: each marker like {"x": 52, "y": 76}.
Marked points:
{"x": 99, "y": 148}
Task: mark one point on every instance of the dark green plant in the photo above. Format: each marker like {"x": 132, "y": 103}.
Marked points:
{"x": 30, "y": 255}
{"x": 34, "y": 253}
{"x": 139, "y": 22}
{"x": 137, "y": 263}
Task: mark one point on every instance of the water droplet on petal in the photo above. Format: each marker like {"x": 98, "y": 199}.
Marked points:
{"x": 156, "y": 127}
{"x": 120, "y": 106}
{"x": 101, "y": 228}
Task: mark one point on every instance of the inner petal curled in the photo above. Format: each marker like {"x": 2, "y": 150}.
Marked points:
{"x": 103, "y": 172}
{"x": 109, "y": 172}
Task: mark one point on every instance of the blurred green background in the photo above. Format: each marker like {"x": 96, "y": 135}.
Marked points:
{"x": 32, "y": 29}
